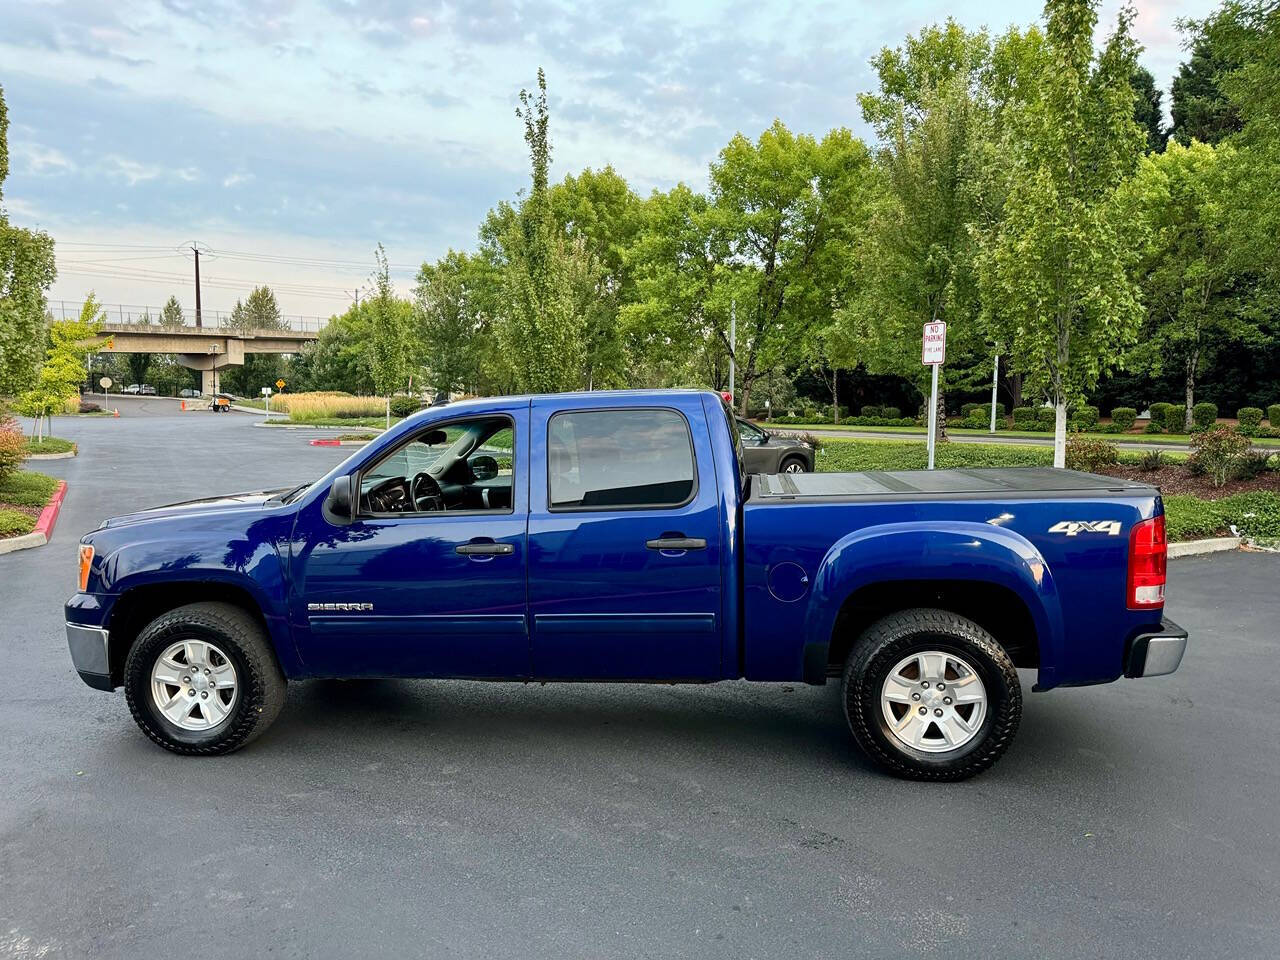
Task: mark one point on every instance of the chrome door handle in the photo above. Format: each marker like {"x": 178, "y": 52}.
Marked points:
{"x": 484, "y": 549}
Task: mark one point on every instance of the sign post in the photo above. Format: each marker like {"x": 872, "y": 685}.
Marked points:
{"x": 104, "y": 383}
{"x": 933, "y": 353}
{"x": 266, "y": 393}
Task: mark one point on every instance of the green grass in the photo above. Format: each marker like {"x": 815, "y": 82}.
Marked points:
{"x": 1255, "y": 514}
{"x": 26, "y": 488}
{"x": 842, "y": 456}
{"x": 49, "y": 445}
{"x": 1047, "y": 436}
{"x": 14, "y": 523}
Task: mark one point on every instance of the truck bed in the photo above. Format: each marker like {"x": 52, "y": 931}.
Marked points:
{"x": 1020, "y": 483}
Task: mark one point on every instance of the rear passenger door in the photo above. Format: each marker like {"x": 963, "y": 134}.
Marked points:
{"x": 624, "y": 542}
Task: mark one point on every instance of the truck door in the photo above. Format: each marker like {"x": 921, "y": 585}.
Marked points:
{"x": 624, "y": 541}
{"x": 429, "y": 579}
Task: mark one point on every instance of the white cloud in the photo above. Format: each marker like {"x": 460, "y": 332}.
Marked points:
{"x": 132, "y": 170}
{"x": 39, "y": 159}
{"x": 236, "y": 179}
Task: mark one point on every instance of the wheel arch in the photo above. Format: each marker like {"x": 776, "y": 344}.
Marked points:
{"x": 984, "y": 572}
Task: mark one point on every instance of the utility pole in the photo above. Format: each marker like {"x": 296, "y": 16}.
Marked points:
{"x": 196, "y": 250}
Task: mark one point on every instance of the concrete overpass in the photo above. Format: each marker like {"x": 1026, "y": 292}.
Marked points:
{"x": 206, "y": 349}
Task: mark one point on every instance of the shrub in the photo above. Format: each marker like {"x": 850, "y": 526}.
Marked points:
{"x": 14, "y": 523}
{"x": 1250, "y": 419}
{"x": 1252, "y": 465}
{"x": 1204, "y": 415}
{"x": 870, "y": 410}
{"x": 327, "y": 404}
{"x": 1153, "y": 427}
{"x": 403, "y": 406}
{"x": 1091, "y": 453}
{"x": 1151, "y": 460}
{"x": 1253, "y": 514}
{"x": 1157, "y": 411}
{"x": 1124, "y": 417}
{"x": 966, "y": 410}
{"x": 13, "y": 450}
{"x": 1085, "y": 417}
{"x": 1046, "y": 416}
{"x": 1218, "y": 452}
{"x": 1023, "y": 417}
{"x": 1175, "y": 418}
{"x": 1273, "y": 414}
{"x": 87, "y": 407}
{"x": 891, "y": 413}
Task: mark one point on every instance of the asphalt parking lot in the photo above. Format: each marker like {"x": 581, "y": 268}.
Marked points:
{"x": 459, "y": 819}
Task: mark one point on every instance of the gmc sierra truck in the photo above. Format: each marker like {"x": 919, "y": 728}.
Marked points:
{"x": 616, "y": 537}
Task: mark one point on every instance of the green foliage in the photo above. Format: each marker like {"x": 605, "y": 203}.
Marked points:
{"x": 1204, "y": 415}
{"x": 1249, "y": 418}
{"x": 389, "y": 331}
{"x": 48, "y": 445}
{"x": 1153, "y": 427}
{"x": 4, "y": 142}
{"x": 1201, "y": 111}
{"x": 1055, "y": 273}
{"x": 25, "y": 488}
{"x": 455, "y": 302}
{"x": 1273, "y": 414}
{"x": 1152, "y": 460}
{"x": 1084, "y": 417}
{"x": 871, "y": 410}
{"x": 1024, "y": 417}
{"x": 1045, "y": 416}
{"x": 1124, "y": 417}
{"x": 1218, "y": 452}
{"x": 13, "y": 448}
{"x": 1252, "y": 464}
{"x": 258, "y": 311}
{"x": 1175, "y": 418}
{"x": 171, "y": 314}
{"x": 403, "y": 406}
{"x": 339, "y": 358}
{"x": 1090, "y": 454}
{"x": 59, "y": 377}
{"x": 1254, "y": 514}
{"x": 891, "y": 413}
{"x": 851, "y": 455}
{"x": 14, "y": 523}
{"x": 27, "y": 270}
{"x": 1147, "y": 113}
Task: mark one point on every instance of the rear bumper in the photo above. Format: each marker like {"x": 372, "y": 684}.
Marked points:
{"x": 1156, "y": 653}
{"x": 90, "y": 653}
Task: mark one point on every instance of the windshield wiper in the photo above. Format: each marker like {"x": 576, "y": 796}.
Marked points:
{"x": 288, "y": 497}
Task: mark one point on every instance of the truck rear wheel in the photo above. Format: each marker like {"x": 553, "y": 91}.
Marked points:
{"x": 930, "y": 695}
{"x": 202, "y": 679}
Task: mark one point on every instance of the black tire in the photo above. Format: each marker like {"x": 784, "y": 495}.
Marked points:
{"x": 796, "y": 461}
{"x": 883, "y": 646}
{"x": 260, "y": 684}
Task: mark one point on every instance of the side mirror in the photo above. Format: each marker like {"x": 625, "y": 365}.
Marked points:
{"x": 764, "y": 436}
{"x": 484, "y": 467}
{"x": 435, "y": 437}
{"x": 340, "y": 503}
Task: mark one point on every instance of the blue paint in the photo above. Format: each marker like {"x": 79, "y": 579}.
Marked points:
{"x": 579, "y": 595}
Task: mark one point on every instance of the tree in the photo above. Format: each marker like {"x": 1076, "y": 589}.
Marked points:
{"x": 258, "y": 311}
{"x": 136, "y": 364}
{"x": 1187, "y": 272}
{"x": 1147, "y": 112}
{"x": 27, "y": 270}
{"x": 455, "y": 300}
{"x": 60, "y": 376}
{"x": 388, "y": 333}
{"x": 1201, "y": 111}
{"x": 171, "y": 314}
{"x": 339, "y": 357}
{"x": 1054, "y": 276}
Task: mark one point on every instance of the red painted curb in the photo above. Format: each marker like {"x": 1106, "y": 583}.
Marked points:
{"x": 49, "y": 515}
{"x": 326, "y": 443}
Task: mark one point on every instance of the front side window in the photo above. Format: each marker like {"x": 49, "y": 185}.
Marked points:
{"x": 460, "y": 466}
{"x": 618, "y": 459}
{"x": 749, "y": 432}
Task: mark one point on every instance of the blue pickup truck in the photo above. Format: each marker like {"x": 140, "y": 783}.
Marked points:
{"x": 616, "y": 537}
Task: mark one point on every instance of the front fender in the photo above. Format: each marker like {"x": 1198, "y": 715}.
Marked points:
{"x": 981, "y": 552}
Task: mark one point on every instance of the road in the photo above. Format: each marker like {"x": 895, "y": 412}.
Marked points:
{"x": 458, "y": 819}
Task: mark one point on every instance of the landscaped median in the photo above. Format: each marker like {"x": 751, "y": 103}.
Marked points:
{"x": 50, "y": 448}
{"x": 29, "y": 505}
{"x": 1194, "y": 508}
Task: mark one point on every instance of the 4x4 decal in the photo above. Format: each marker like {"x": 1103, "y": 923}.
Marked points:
{"x": 1071, "y": 527}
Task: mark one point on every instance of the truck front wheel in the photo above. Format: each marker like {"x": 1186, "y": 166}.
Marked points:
{"x": 930, "y": 695}
{"x": 203, "y": 679}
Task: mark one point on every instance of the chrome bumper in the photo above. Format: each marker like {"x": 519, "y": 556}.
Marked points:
{"x": 90, "y": 652}
{"x": 1157, "y": 653}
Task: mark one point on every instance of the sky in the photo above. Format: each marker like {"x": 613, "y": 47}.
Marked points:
{"x": 288, "y": 139}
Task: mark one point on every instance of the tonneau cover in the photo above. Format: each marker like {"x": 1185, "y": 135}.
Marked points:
{"x": 996, "y": 483}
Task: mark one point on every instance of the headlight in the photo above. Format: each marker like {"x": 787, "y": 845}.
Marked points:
{"x": 86, "y": 560}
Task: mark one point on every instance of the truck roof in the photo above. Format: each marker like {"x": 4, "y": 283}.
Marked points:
{"x": 619, "y": 397}
{"x": 981, "y": 483}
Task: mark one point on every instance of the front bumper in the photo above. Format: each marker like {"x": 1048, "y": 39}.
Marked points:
{"x": 1156, "y": 653}
{"x": 90, "y": 652}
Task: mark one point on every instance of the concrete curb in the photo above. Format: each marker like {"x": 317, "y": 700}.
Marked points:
{"x": 337, "y": 443}
{"x": 1195, "y": 548}
{"x": 44, "y": 525}
{"x": 314, "y": 426}
{"x": 66, "y": 455}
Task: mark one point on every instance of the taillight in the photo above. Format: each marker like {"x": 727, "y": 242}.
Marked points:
{"x": 86, "y": 560}
{"x": 1148, "y": 558}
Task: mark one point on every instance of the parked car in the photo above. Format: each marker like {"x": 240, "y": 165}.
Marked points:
{"x": 187, "y": 394}
{"x": 765, "y": 453}
{"x": 147, "y": 390}
{"x": 626, "y": 542}
{"x": 132, "y": 388}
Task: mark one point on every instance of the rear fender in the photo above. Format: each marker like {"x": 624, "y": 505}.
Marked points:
{"x": 981, "y": 552}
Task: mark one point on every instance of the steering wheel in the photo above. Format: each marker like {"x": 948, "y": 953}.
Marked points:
{"x": 425, "y": 493}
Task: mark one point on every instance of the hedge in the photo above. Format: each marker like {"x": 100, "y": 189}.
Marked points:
{"x": 1204, "y": 415}
{"x": 1175, "y": 418}
{"x": 1273, "y": 414}
{"x": 1023, "y": 416}
{"x": 1085, "y": 417}
{"x": 1046, "y": 416}
{"x": 1157, "y": 411}
{"x": 1250, "y": 419}
{"x": 1124, "y": 417}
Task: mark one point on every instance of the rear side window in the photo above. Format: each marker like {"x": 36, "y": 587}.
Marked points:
{"x": 612, "y": 459}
